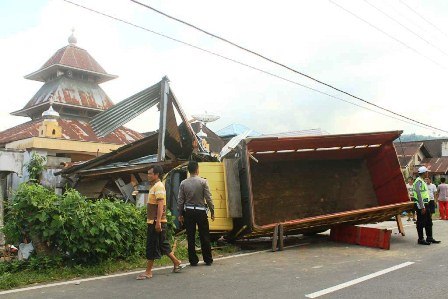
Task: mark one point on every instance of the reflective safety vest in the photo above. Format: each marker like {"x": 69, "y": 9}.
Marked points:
{"x": 423, "y": 190}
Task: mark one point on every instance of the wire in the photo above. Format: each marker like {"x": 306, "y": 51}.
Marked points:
{"x": 423, "y": 18}
{"x": 387, "y": 34}
{"x": 408, "y": 121}
{"x": 405, "y": 27}
{"x": 294, "y": 70}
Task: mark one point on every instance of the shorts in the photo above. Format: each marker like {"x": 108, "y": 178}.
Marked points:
{"x": 156, "y": 242}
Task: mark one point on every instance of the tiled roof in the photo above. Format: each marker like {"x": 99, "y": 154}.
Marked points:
{"x": 67, "y": 91}
{"x": 76, "y": 57}
{"x": 71, "y": 130}
{"x": 71, "y": 57}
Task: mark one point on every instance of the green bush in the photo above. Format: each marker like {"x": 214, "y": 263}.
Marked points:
{"x": 74, "y": 227}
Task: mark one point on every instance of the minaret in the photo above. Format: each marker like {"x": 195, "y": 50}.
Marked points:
{"x": 71, "y": 78}
{"x": 50, "y": 127}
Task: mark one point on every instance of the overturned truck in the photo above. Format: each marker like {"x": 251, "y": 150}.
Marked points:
{"x": 306, "y": 184}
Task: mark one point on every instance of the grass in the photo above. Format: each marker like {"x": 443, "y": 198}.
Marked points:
{"x": 26, "y": 277}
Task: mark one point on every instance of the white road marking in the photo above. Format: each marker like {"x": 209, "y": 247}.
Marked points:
{"x": 357, "y": 280}
{"x": 78, "y": 281}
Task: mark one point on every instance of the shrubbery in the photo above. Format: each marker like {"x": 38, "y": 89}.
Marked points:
{"x": 73, "y": 227}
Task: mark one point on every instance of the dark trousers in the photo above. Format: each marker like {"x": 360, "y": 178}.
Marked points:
{"x": 199, "y": 218}
{"x": 424, "y": 221}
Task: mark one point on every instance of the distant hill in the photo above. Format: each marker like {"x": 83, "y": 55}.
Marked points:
{"x": 415, "y": 137}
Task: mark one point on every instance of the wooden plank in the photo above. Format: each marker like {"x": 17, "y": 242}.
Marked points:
{"x": 281, "y": 244}
{"x": 275, "y": 238}
{"x": 400, "y": 225}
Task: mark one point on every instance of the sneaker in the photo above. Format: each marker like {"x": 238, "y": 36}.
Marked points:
{"x": 423, "y": 242}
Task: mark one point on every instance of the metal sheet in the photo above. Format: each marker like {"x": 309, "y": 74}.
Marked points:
{"x": 124, "y": 111}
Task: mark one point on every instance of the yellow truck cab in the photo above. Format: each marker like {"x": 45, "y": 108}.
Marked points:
{"x": 213, "y": 172}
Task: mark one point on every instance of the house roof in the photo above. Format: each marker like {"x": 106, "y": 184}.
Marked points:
{"x": 434, "y": 146}
{"x": 235, "y": 130}
{"x": 66, "y": 92}
{"x": 71, "y": 130}
{"x": 436, "y": 165}
{"x": 74, "y": 58}
{"x": 309, "y": 132}
{"x": 407, "y": 150}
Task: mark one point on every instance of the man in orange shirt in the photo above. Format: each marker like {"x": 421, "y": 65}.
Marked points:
{"x": 156, "y": 243}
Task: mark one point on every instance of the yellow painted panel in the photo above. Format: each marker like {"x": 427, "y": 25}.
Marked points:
{"x": 214, "y": 173}
{"x": 213, "y": 167}
{"x": 213, "y": 176}
{"x": 220, "y": 204}
{"x": 220, "y": 213}
{"x": 214, "y": 185}
{"x": 218, "y": 195}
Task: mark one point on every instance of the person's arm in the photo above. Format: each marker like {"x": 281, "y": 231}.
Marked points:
{"x": 420, "y": 203}
{"x": 209, "y": 200}
{"x": 180, "y": 203}
{"x": 160, "y": 198}
{"x": 159, "y": 214}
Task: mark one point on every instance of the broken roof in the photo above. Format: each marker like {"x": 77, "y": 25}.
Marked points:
{"x": 169, "y": 143}
{"x": 215, "y": 142}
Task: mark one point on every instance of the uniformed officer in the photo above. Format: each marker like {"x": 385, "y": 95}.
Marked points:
{"x": 421, "y": 206}
{"x": 193, "y": 195}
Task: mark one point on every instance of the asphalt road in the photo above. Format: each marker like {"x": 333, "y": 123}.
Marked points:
{"x": 305, "y": 271}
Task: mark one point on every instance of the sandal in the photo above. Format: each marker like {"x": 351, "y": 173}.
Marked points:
{"x": 143, "y": 276}
{"x": 178, "y": 268}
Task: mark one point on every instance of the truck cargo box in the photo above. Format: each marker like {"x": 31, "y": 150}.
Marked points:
{"x": 312, "y": 183}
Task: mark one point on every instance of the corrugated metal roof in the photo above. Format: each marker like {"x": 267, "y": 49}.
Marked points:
{"x": 66, "y": 92}
{"x": 126, "y": 110}
{"x": 436, "y": 165}
{"x": 235, "y": 130}
{"x": 309, "y": 132}
{"x": 72, "y": 57}
{"x": 71, "y": 130}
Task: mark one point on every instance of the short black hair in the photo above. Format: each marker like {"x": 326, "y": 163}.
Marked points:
{"x": 192, "y": 166}
{"x": 442, "y": 180}
{"x": 157, "y": 169}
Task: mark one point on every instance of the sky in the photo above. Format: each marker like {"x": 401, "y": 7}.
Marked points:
{"x": 404, "y": 70}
